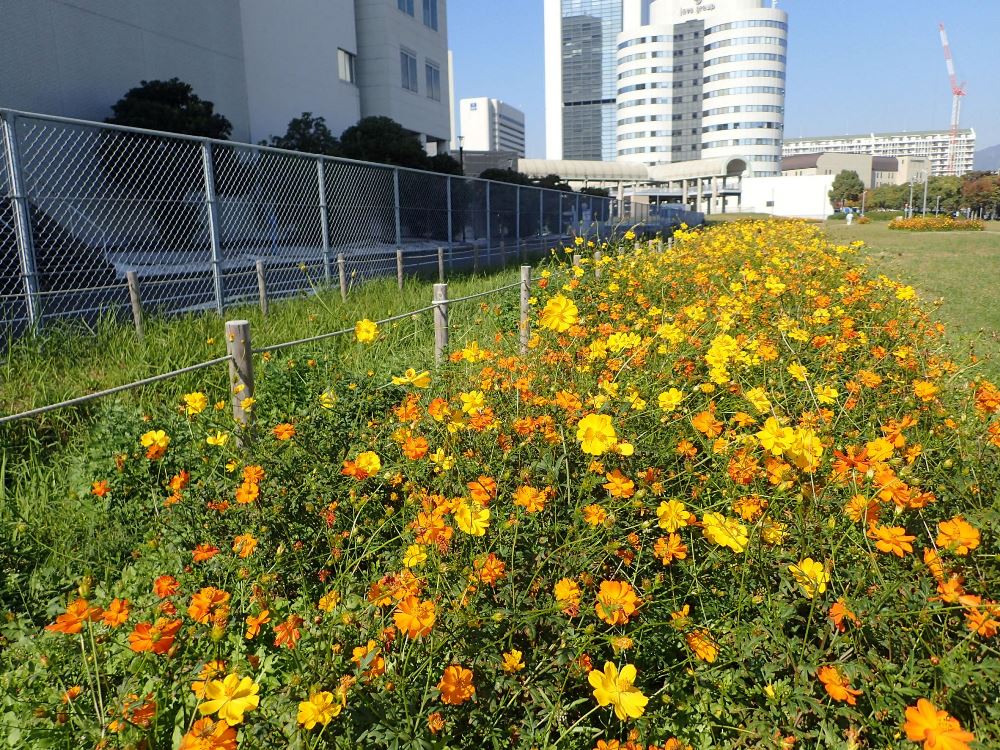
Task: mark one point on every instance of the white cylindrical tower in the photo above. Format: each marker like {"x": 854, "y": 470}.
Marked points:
{"x": 700, "y": 80}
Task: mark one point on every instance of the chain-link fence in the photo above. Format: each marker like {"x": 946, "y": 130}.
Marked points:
{"x": 83, "y": 204}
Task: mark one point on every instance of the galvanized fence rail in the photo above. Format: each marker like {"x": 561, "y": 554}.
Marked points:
{"x": 98, "y": 219}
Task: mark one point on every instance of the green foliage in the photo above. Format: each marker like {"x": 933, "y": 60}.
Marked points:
{"x": 171, "y": 106}
{"x": 384, "y": 141}
{"x": 308, "y": 134}
{"x": 847, "y": 187}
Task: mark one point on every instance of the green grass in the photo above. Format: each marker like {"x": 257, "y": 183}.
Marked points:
{"x": 957, "y": 272}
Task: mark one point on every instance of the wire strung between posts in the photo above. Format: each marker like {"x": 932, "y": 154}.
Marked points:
{"x": 117, "y": 389}
{"x": 341, "y": 332}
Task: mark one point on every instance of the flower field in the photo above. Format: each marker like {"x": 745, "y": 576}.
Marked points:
{"x": 734, "y": 496}
{"x": 936, "y": 224}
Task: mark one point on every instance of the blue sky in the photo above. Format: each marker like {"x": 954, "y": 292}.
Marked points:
{"x": 852, "y": 66}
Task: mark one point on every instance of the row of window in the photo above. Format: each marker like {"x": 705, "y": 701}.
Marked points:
{"x": 676, "y": 149}
{"x": 754, "y": 24}
{"x": 432, "y": 75}
{"x": 658, "y": 100}
{"x": 742, "y": 126}
{"x": 745, "y": 74}
{"x": 697, "y": 131}
{"x": 430, "y": 11}
{"x": 658, "y": 39}
{"x": 745, "y": 57}
{"x": 745, "y": 90}
{"x": 741, "y": 40}
{"x": 657, "y": 134}
{"x": 657, "y": 85}
{"x": 743, "y": 108}
{"x": 743, "y": 142}
{"x": 658, "y": 118}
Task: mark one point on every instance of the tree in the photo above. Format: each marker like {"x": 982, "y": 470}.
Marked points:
{"x": 505, "y": 175}
{"x": 847, "y": 187}
{"x": 445, "y": 164}
{"x": 309, "y": 134}
{"x": 553, "y": 182}
{"x": 384, "y": 141}
{"x": 599, "y": 192}
{"x": 171, "y": 106}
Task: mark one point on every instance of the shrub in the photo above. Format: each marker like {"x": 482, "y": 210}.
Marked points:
{"x": 936, "y": 224}
{"x": 729, "y": 498}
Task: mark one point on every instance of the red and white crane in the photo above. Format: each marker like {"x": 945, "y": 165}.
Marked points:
{"x": 957, "y": 92}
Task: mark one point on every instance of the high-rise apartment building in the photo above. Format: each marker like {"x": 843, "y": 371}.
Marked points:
{"x": 702, "y": 80}
{"x": 663, "y": 81}
{"x": 580, "y": 78}
{"x": 260, "y": 62}
{"x": 491, "y": 125}
{"x": 932, "y": 145}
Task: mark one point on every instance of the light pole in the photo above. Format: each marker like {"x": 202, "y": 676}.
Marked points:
{"x": 863, "y": 194}
{"x": 937, "y": 207}
{"x": 461, "y": 155}
{"x": 909, "y": 205}
{"x": 926, "y": 180}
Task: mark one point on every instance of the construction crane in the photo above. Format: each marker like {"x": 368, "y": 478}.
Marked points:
{"x": 957, "y": 92}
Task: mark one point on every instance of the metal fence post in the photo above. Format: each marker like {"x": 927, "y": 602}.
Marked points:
{"x": 451, "y": 225}
{"x": 213, "y": 225}
{"x": 517, "y": 214}
{"x": 22, "y": 219}
{"x": 560, "y": 215}
{"x": 324, "y": 220}
{"x": 240, "y": 367}
{"x": 136, "y": 302}
{"x": 342, "y": 273}
{"x": 399, "y": 268}
{"x": 440, "y": 303}
{"x": 395, "y": 194}
{"x": 489, "y": 227}
{"x": 541, "y": 215}
{"x": 579, "y": 216}
{"x": 524, "y": 332}
{"x": 262, "y": 287}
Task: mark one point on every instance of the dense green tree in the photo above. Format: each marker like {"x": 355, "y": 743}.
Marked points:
{"x": 444, "y": 164}
{"x": 171, "y": 106}
{"x": 309, "y": 134}
{"x": 553, "y": 182}
{"x": 385, "y": 141}
{"x": 599, "y": 192}
{"x": 506, "y": 175}
{"x": 847, "y": 187}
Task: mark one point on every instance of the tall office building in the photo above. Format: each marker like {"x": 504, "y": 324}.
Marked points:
{"x": 932, "y": 145}
{"x": 260, "y": 62}
{"x": 580, "y": 78}
{"x": 701, "y": 80}
{"x": 491, "y": 125}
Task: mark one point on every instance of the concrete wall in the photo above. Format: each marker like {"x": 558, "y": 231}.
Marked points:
{"x": 76, "y": 58}
{"x": 804, "y": 197}
{"x": 290, "y": 52}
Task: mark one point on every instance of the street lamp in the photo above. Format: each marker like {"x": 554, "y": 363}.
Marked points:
{"x": 461, "y": 155}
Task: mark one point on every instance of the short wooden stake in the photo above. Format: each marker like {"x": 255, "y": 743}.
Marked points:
{"x": 136, "y": 300}
{"x": 240, "y": 367}
{"x": 262, "y": 287}
{"x": 598, "y": 255}
{"x": 525, "y": 325}
{"x": 440, "y": 303}
{"x": 576, "y": 259}
{"x": 441, "y": 265}
{"x": 342, "y": 272}
{"x": 399, "y": 268}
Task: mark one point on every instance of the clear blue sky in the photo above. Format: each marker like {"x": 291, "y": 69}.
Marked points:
{"x": 852, "y": 66}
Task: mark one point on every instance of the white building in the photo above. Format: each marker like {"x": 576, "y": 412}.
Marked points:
{"x": 933, "y": 145}
{"x": 260, "y": 62}
{"x": 491, "y": 125}
{"x": 702, "y": 81}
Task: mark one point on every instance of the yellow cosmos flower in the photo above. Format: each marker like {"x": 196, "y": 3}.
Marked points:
{"x": 321, "y": 708}
{"x": 596, "y": 434}
{"x": 798, "y": 372}
{"x": 473, "y": 402}
{"x": 412, "y": 377}
{"x": 366, "y": 331}
{"x": 726, "y": 532}
{"x": 672, "y": 515}
{"x": 811, "y": 576}
{"x": 670, "y": 399}
{"x": 195, "y": 402}
{"x": 157, "y": 438}
{"x": 826, "y": 394}
{"x": 472, "y": 518}
{"x": 230, "y": 698}
{"x": 327, "y": 399}
{"x": 758, "y": 399}
{"x": 617, "y": 689}
{"x": 414, "y": 556}
{"x": 512, "y": 661}
{"x": 774, "y": 438}
{"x": 217, "y": 439}
{"x": 559, "y": 314}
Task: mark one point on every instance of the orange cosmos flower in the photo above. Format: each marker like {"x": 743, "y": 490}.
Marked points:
{"x": 706, "y": 423}
{"x": 594, "y": 515}
{"x": 253, "y": 473}
{"x": 415, "y": 448}
{"x": 415, "y": 617}
{"x": 937, "y": 729}
{"x": 891, "y": 539}
{"x": 958, "y": 535}
{"x": 247, "y": 493}
{"x": 489, "y": 569}
{"x": 157, "y": 638}
{"x": 165, "y": 586}
{"x": 71, "y": 621}
{"x": 209, "y": 604}
{"x": 483, "y": 489}
{"x": 244, "y": 545}
{"x": 435, "y": 722}
{"x": 837, "y": 685}
{"x": 924, "y": 390}
{"x": 702, "y": 644}
{"x": 284, "y": 431}
{"x": 116, "y": 614}
{"x": 567, "y": 593}
{"x": 456, "y": 685}
{"x": 839, "y": 612}
{"x": 616, "y": 602}
{"x": 72, "y": 693}
{"x": 670, "y": 548}
{"x": 254, "y": 622}
{"x": 287, "y": 633}
{"x": 619, "y": 485}
{"x": 204, "y": 551}
{"x": 530, "y": 499}
{"x": 209, "y": 734}
{"x": 100, "y": 488}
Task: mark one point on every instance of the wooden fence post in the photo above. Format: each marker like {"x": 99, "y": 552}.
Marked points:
{"x": 598, "y": 255}
{"x": 440, "y": 302}
{"x": 240, "y": 367}
{"x": 399, "y": 268}
{"x": 441, "y": 265}
{"x": 262, "y": 287}
{"x": 136, "y": 300}
{"x": 342, "y": 272}
{"x": 525, "y": 330}
{"x": 576, "y": 259}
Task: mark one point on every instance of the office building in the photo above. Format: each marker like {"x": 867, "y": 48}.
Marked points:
{"x": 701, "y": 81}
{"x": 491, "y": 125}
{"x": 932, "y": 145}
{"x": 580, "y": 78}
{"x": 874, "y": 171}
{"x": 260, "y": 62}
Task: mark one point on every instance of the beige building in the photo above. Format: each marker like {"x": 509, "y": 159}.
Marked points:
{"x": 873, "y": 170}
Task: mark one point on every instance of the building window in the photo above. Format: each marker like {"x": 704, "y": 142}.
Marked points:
{"x": 433, "y": 81}
{"x": 406, "y": 6}
{"x": 345, "y": 66}
{"x": 430, "y": 13}
{"x": 408, "y": 65}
